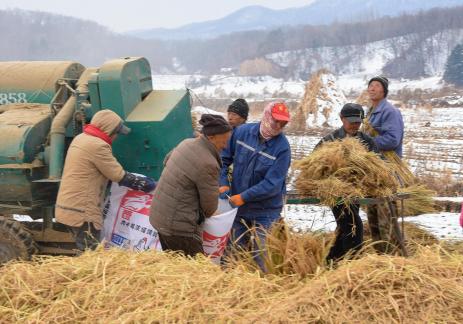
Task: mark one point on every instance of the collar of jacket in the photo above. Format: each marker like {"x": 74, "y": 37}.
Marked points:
{"x": 92, "y": 130}
{"x": 211, "y": 147}
{"x": 342, "y": 133}
{"x": 256, "y": 131}
{"x": 380, "y": 106}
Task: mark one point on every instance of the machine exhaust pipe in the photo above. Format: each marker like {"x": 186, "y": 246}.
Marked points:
{"x": 58, "y": 126}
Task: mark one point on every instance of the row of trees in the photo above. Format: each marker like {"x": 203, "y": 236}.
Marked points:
{"x": 41, "y": 36}
{"x": 454, "y": 67}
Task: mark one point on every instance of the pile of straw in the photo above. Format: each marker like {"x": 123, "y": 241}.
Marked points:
{"x": 119, "y": 286}
{"x": 344, "y": 170}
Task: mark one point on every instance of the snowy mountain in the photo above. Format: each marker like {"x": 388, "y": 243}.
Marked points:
{"x": 319, "y": 12}
{"x": 409, "y": 56}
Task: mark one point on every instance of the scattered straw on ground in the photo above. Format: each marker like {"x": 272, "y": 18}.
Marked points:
{"x": 119, "y": 286}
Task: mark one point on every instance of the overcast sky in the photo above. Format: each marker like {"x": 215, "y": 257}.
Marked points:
{"x": 124, "y": 15}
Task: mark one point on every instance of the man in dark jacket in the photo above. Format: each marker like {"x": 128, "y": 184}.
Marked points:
{"x": 188, "y": 189}
{"x": 261, "y": 157}
{"x": 237, "y": 112}
{"x": 349, "y": 226}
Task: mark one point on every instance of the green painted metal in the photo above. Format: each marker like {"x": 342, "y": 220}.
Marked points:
{"x": 22, "y": 82}
{"x": 23, "y": 130}
{"x": 159, "y": 121}
{"x": 158, "y": 124}
{"x": 123, "y": 83}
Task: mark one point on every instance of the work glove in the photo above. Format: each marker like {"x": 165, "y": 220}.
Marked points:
{"x": 236, "y": 201}
{"x": 140, "y": 183}
{"x": 224, "y": 192}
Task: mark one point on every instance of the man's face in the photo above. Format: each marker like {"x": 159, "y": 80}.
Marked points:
{"x": 220, "y": 141}
{"x": 350, "y": 128}
{"x": 281, "y": 124}
{"x": 376, "y": 91}
{"x": 235, "y": 120}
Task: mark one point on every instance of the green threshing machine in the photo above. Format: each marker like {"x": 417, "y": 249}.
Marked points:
{"x": 43, "y": 106}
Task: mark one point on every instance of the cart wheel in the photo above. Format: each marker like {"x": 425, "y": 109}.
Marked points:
{"x": 15, "y": 241}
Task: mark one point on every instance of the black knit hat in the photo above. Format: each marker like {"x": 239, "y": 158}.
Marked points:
{"x": 214, "y": 124}
{"x": 239, "y": 107}
{"x": 384, "y": 82}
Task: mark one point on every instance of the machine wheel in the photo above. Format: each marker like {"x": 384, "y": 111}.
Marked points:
{"x": 15, "y": 241}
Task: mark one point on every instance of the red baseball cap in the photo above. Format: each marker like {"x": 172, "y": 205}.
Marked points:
{"x": 280, "y": 112}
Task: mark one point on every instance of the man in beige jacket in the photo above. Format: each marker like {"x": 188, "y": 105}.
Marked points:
{"x": 188, "y": 189}
{"x": 88, "y": 167}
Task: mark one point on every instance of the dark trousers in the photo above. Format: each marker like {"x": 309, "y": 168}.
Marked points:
{"x": 87, "y": 236}
{"x": 190, "y": 246}
{"x": 349, "y": 231}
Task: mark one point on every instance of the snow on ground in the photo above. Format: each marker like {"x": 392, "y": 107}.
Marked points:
{"x": 228, "y": 86}
{"x": 444, "y": 226}
{"x": 266, "y": 87}
{"x": 199, "y": 110}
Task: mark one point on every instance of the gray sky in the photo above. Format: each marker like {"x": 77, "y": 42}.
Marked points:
{"x": 124, "y": 15}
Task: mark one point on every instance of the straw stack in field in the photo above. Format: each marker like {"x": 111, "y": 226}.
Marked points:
{"x": 344, "y": 170}
{"x": 119, "y": 286}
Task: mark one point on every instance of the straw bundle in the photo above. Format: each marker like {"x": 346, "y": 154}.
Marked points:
{"x": 285, "y": 252}
{"x": 123, "y": 287}
{"x": 420, "y": 201}
{"x": 344, "y": 170}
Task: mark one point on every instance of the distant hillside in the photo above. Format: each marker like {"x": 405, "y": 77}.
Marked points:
{"x": 319, "y": 12}
{"x": 407, "y": 46}
{"x": 32, "y": 35}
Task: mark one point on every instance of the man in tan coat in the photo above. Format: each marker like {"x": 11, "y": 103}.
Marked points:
{"x": 88, "y": 167}
{"x": 188, "y": 189}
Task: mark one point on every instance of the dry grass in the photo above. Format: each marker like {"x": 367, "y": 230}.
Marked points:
{"x": 285, "y": 252}
{"x": 344, "y": 170}
{"x": 124, "y": 287}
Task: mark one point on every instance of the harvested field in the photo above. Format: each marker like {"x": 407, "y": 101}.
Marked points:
{"x": 117, "y": 286}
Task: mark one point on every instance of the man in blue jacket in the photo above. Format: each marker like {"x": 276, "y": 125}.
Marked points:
{"x": 387, "y": 129}
{"x": 261, "y": 157}
{"x": 385, "y": 119}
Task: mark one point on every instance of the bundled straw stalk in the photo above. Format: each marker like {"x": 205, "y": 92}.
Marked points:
{"x": 344, "y": 170}
{"x": 284, "y": 253}
{"x": 420, "y": 201}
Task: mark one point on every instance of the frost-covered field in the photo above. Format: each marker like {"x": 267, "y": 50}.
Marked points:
{"x": 265, "y": 87}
